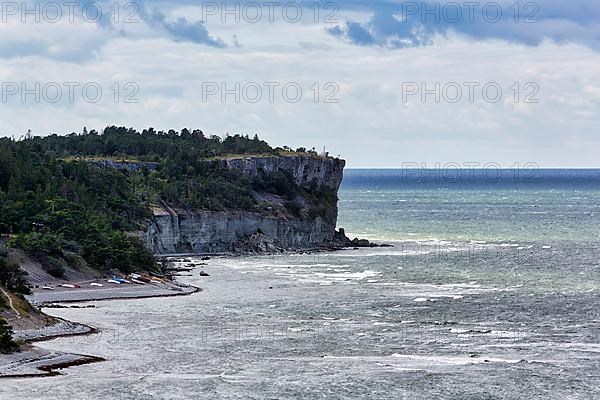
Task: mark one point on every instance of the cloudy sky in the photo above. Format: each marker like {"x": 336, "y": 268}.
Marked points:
{"x": 381, "y": 83}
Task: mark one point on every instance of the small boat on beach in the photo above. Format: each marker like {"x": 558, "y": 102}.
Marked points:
{"x": 96, "y": 284}
{"x": 114, "y": 281}
{"x": 137, "y": 278}
{"x": 67, "y": 285}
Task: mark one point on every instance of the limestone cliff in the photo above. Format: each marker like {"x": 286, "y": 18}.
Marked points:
{"x": 307, "y": 170}
{"x": 198, "y": 231}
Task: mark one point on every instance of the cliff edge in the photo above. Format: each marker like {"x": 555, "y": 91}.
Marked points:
{"x": 308, "y": 224}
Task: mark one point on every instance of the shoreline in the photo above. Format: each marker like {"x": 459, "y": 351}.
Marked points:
{"x": 42, "y": 299}
{"x": 116, "y": 298}
{"x": 340, "y": 243}
{"x": 35, "y": 362}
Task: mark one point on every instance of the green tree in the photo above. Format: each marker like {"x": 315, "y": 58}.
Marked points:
{"x": 13, "y": 277}
{"x": 7, "y": 343}
{"x": 60, "y": 203}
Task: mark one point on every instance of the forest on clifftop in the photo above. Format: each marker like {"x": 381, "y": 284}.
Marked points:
{"x": 62, "y": 208}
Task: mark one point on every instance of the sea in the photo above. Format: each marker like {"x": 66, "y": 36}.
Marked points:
{"x": 490, "y": 291}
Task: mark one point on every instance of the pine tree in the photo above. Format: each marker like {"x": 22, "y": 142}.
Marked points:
{"x": 7, "y": 343}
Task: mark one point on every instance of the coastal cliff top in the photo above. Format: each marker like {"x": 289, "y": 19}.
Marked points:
{"x": 280, "y": 153}
{"x": 75, "y": 200}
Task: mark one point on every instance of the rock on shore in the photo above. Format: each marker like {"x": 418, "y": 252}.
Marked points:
{"x": 341, "y": 240}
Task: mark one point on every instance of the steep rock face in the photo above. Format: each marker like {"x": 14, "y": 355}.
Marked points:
{"x": 193, "y": 231}
{"x": 124, "y": 165}
{"x": 306, "y": 170}
{"x": 218, "y": 232}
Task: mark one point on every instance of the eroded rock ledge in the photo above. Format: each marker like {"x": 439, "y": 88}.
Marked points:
{"x": 341, "y": 240}
{"x": 176, "y": 231}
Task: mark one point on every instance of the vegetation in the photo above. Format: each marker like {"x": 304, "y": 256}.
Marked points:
{"x": 59, "y": 205}
{"x": 12, "y": 277}
{"x": 7, "y": 344}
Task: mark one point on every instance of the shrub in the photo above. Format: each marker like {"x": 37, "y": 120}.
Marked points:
{"x": 7, "y": 343}
{"x": 53, "y": 266}
{"x": 293, "y": 207}
{"x": 13, "y": 277}
{"x": 39, "y": 243}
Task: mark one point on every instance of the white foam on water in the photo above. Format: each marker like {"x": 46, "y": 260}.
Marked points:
{"x": 415, "y": 247}
{"x": 412, "y": 361}
{"x": 454, "y": 360}
{"x": 577, "y": 346}
{"x": 421, "y": 299}
{"x": 382, "y": 324}
{"x": 450, "y": 290}
{"x": 342, "y": 276}
{"x": 308, "y": 279}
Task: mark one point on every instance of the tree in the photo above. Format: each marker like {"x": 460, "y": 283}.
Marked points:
{"x": 13, "y": 277}
{"x": 59, "y": 206}
{"x": 7, "y": 343}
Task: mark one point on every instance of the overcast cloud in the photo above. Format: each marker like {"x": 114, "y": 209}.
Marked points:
{"x": 162, "y": 57}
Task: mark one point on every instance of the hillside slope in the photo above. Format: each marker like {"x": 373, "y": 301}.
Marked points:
{"x": 108, "y": 201}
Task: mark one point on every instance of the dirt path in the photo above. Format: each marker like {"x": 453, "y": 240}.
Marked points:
{"x": 10, "y": 303}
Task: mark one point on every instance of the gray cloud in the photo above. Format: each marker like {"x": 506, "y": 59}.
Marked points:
{"x": 407, "y": 24}
{"x": 391, "y": 25}
{"x": 182, "y": 30}
{"x": 75, "y": 42}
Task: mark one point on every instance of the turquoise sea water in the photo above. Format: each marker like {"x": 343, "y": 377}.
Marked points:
{"x": 472, "y": 204}
{"x": 491, "y": 291}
